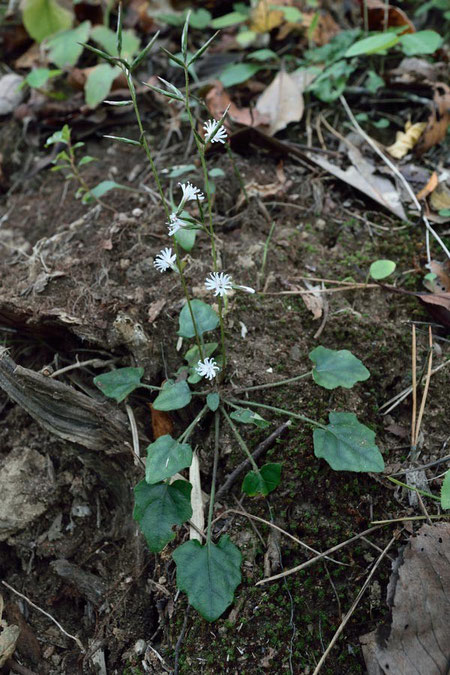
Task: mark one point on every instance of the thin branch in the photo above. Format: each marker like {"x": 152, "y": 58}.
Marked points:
{"x": 49, "y": 616}
{"x": 355, "y": 603}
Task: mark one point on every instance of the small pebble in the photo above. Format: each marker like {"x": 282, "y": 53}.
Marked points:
{"x": 137, "y": 212}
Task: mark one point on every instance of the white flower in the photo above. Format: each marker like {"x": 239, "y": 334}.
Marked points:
{"x": 191, "y": 192}
{"x": 175, "y": 224}
{"x": 210, "y": 130}
{"x": 164, "y": 260}
{"x": 207, "y": 368}
{"x": 219, "y": 282}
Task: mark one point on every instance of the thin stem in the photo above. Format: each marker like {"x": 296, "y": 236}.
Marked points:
{"x": 188, "y": 431}
{"x": 297, "y": 416}
{"x": 143, "y": 139}
{"x": 269, "y": 385}
{"x": 150, "y": 386}
{"x": 411, "y": 487}
{"x": 237, "y": 173}
{"x": 214, "y": 475}
{"x": 222, "y": 338}
{"x": 240, "y": 440}
{"x": 266, "y": 249}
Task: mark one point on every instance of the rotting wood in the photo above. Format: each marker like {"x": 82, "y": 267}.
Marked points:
{"x": 63, "y": 411}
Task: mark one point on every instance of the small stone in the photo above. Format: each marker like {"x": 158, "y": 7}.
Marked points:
{"x": 137, "y": 212}
{"x": 140, "y": 647}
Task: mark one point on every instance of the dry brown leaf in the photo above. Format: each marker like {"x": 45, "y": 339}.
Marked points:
{"x": 438, "y": 121}
{"x": 376, "y": 187}
{"x": 281, "y": 102}
{"x": 417, "y": 637}
{"x": 440, "y": 198}
{"x": 161, "y": 422}
{"x": 406, "y": 140}
{"x": 382, "y": 16}
{"x": 325, "y": 29}
{"x": 438, "y": 305}
{"x": 429, "y": 187}
{"x": 314, "y": 301}
{"x": 155, "y": 309}
{"x": 412, "y": 70}
{"x": 264, "y": 19}
{"x": 217, "y": 100}
{"x": 442, "y": 281}
{"x": 254, "y": 189}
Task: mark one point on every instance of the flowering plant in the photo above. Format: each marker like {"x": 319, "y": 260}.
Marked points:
{"x": 210, "y": 572}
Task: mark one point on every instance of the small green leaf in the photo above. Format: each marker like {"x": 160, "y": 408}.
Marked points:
{"x": 144, "y": 53}
{"x": 42, "y": 18}
{"x": 236, "y": 73}
{"x": 445, "y": 491}
{"x": 373, "y": 44}
{"x": 192, "y": 355}
{"x": 331, "y": 82}
{"x": 206, "y": 318}
{"x": 380, "y": 269}
{"x": 422, "y": 42}
{"x": 87, "y": 159}
{"x": 209, "y": 575}
{"x": 64, "y": 48}
{"x": 348, "y": 445}
{"x": 98, "y": 83}
{"x": 61, "y": 136}
{"x": 216, "y": 173}
{"x": 337, "y": 368}
{"x": 105, "y": 186}
{"x": 174, "y": 396}
{"x": 200, "y": 19}
{"x": 122, "y": 139}
{"x": 184, "y": 36}
{"x": 181, "y": 169}
{"x": 262, "y": 482}
{"x": 374, "y": 81}
{"x": 230, "y": 19}
{"x": 213, "y": 401}
{"x": 445, "y": 213}
{"x": 246, "y": 37}
{"x": 119, "y": 383}
{"x": 201, "y": 51}
{"x": 246, "y": 416}
{"x": 157, "y": 508}
{"x": 186, "y": 238}
{"x": 263, "y": 55}
{"x": 39, "y": 76}
{"x": 165, "y": 457}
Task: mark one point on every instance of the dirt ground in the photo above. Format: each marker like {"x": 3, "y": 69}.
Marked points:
{"x": 78, "y": 283}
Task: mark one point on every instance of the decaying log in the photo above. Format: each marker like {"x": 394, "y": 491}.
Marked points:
{"x": 65, "y": 412}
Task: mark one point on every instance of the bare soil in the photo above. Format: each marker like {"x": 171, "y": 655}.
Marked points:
{"x": 78, "y": 282}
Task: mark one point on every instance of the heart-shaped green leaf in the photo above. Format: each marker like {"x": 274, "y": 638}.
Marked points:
{"x": 174, "y": 395}
{"x": 42, "y": 18}
{"x": 65, "y": 48}
{"x": 262, "y": 482}
{"x": 165, "y": 457}
{"x": 205, "y": 318}
{"x": 119, "y": 383}
{"x": 157, "y": 508}
{"x": 246, "y": 416}
{"x": 337, "y": 368}
{"x": 192, "y": 355}
{"x": 212, "y": 401}
{"x": 380, "y": 269}
{"x": 348, "y": 445}
{"x": 209, "y": 575}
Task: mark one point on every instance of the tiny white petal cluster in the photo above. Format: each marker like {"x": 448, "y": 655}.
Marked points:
{"x": 164, "y": 260}
{"x": 210, "y": 128}
{"x": 220, "y": 283}
{"x": 207, "y": 368}
{"x": 191, "y": 192}
{"x": 175, "y": 224}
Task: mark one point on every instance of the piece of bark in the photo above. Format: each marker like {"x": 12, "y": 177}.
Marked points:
{"x": 89, "y": 585}
{"x": 63, "y": 411}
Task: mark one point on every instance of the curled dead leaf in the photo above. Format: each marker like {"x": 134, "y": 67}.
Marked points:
{"x": 429, "y": 187}
{"x": 281, "y": 102}
{"x": 217, "y": 100}
{"x": 264, "y": 18}
{"x": 161, "y": 422}
{"x": 439, "y": 120}
{"x": 442, "y": 281}
{"x": 382, "y": 16}
{"x": 406, "y": 140}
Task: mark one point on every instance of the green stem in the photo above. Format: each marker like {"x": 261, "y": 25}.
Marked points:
{"x": 269, "y": 385}
{"x": 214, "y": 474}
{"x": 411, "y": 487}
{"x": 143, "y": 139}
{"x": 240, "y": 440}
{"x": 296, "y": 416}
{"x": 237, "y": 172}
{"x": 188, "y": 300}
{"x": 188, "y": 431}
{"x": 150, "y": 386}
